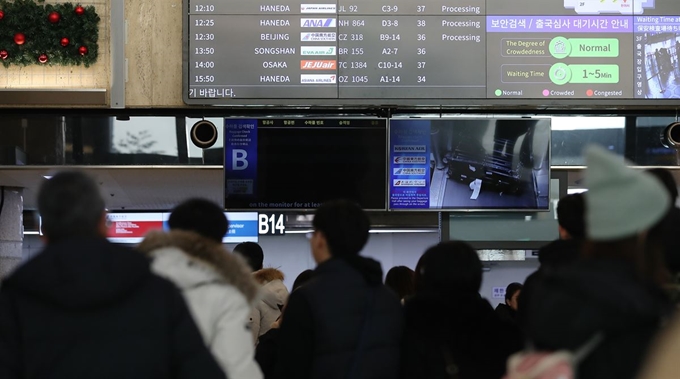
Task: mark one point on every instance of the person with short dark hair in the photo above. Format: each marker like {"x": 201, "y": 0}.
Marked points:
{"x": 303, "y": 278}
{"x": 85, "y": 308}
{"x": 572, "y": 232}
{"x": 401, "y": 280}
{"x": 217, "y": 285}
{"x": 344, "y": 323}
{"x": 451, "y": 331}
{"x": 507, "y": 311}
{"x": 252, "y": 253}
{"x": 571, "y": 213}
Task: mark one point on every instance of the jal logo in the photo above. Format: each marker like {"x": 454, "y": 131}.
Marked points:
{"x": 317, "y": 23}
{"x": 318, "y": 65}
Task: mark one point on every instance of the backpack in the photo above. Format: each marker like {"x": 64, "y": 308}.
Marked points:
{"x": 549, "y": 365}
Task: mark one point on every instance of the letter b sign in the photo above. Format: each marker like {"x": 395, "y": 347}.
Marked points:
{"x": 239, "y": 159}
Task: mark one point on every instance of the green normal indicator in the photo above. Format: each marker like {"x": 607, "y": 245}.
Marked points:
{"x": 561, "y": 73}
{"x": 561, "y": 47}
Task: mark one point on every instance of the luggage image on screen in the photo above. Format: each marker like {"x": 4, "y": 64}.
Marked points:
{"x": 495, "y": 171}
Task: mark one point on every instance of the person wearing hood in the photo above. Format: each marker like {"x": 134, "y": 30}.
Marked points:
{"x": 343, "y": 323}
{"x": 217, "y": 285}
{"x": 451, "y": 331}
{"x": 273, "y": 297}
{"x": 611, "y": 299}
{"x": 85, "y": 308}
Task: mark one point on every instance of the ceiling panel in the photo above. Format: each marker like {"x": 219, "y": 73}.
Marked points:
{"x": 129, "y": 188}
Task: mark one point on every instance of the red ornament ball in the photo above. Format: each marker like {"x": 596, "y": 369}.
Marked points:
{"x": 4, "y": 54}
{"x": 43, "y": 58}
{"x": 2, "y": 14}
{"x": 54, "y": 17}
{"x": 83, "y": 50}
{"x": 19, "y": 38}
{"x": 80, "y": 10}
{"x": 64, "y": 42}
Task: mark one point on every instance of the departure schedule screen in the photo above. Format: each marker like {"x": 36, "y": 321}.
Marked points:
{"x": 431, "y": 49}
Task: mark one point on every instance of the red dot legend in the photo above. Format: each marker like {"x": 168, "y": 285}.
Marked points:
{"x": 589, "y": 92}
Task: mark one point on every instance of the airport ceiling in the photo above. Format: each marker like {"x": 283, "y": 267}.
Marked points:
{"x": 129, "y": 188}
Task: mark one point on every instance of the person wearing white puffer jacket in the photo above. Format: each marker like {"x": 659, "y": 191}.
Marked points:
{"x": 217, "y": 285}
{"x": 273, "y": 297}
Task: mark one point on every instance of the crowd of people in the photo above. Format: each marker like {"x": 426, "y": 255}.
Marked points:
{"x": 602, "y": 304}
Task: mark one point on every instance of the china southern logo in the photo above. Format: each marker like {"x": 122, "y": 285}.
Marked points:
{"x": 410, "y": 160}
{"x": 409, "y": 183}
{"x": 318, "y": 37}
{"x": 317, "y": 23}
{"x": 410, "y": 149}
{"x": 409, "y": 172}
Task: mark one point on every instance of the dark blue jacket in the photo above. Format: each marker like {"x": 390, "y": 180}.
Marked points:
{"x": 322, "y": 324}
{"x": 89, "y": 309}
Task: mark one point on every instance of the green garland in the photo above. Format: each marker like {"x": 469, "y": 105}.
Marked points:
{"x": 43, "y": 37}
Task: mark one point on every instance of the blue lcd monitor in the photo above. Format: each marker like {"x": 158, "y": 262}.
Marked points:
{"x": 456, "y": 164}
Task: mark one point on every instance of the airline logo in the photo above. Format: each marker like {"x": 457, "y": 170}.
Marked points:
{"x": 409, "y": 172}
{"x": 410, "y": 149}
{"x": 318, "y": 50}
{"x": 409, "y": 183}
{"x": 317, "y": 23}
{"x": 318, "y": 65}
{"x": 318, "y": 37}
{"x": 318, "y": 79}
{"x": 410, "y": 160}
{"x": 318, "y": 8}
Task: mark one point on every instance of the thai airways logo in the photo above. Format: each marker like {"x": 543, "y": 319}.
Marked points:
{"x": 317, "y": 23}
{"x": 318, "y": 79}
{"x": 318, "y": 65}
{"x": 318, "y": 37}
{"x": 409, "y": 172}
{"x": 410, "y": 149}
{"x": 409, "y": 183}
{"x": 318, "y": 50}
{"x": 410, "y": 160}
{"x": 318, "y": 8}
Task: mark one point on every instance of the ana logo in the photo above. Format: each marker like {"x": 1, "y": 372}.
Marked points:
{"x": 318, "y": 65}
{"x": 318, "y": 37}
{"x": 317, "y": 50}
{"x": 317, "y": 23}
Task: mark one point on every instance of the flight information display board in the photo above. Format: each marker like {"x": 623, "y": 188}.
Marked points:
{"x": 453, "y": 51}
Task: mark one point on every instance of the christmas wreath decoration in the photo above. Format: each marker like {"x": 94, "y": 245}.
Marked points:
{"x": 32, "y": 32}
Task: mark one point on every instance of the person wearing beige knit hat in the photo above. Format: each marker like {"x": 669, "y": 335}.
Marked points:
{"x": 612, "y": 292}
{"x": 622, "y": 205}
